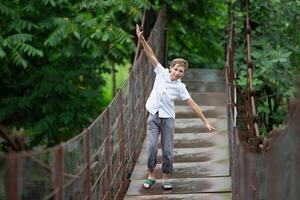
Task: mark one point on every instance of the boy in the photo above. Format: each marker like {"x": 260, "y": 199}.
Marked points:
{"x": 160, "y": 105}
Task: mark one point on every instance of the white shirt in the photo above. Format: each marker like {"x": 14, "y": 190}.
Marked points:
{"x": 164, "y": 93}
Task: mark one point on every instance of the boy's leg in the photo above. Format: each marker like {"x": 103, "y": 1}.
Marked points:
{"x": 167, "y": 145}
{"x": 152, "y": 134}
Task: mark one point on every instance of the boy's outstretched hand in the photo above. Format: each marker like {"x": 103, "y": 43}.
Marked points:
{"x": 139, "y": 33}
{"x": 210, "y": 127}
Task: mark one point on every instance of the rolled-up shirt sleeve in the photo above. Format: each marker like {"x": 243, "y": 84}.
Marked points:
{"x": 160, "y": 70}
{"x": 183, "y": 93}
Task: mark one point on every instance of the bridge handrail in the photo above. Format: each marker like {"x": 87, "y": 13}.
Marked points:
{"x": 245, "y": 106}
{"x": 261, "y": 168}
{"x": 95, "y": 164}
{"x": 253, "y": 115}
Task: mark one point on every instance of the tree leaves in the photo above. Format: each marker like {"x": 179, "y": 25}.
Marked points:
{"x": 17, "y": 38}
{"x": 17, "y": 58}
{"x": 196, "y": 31}
{"x": 29, "y": 50}
{"x": 6, "y": 10}
{"x": 52, "y": 56}
{"x": 60, "y": 33}
{"x": 22, "y": 25}
{"x": 272, "y": 48}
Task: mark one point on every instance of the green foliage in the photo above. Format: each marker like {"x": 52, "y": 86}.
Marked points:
{"x": 121, "y": 76}
{"x": 275, "y": 57}
{"x": 196, "y": 32}
{"x": 53, "y": 54}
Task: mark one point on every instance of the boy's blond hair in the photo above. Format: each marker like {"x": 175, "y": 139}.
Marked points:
{"x": 181, "y": 62}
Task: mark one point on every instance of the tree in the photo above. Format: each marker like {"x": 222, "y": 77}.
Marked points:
{"x": 52, "y": 56}
{"x": 275, "y": 56}
{"x": 196, "y": 32}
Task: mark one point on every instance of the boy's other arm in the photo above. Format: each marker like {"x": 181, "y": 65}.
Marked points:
{"x": 199, "y": 113}
{"x": 147, "y": 48}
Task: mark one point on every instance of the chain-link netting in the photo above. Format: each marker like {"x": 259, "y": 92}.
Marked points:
{"x": 95, "y": 164}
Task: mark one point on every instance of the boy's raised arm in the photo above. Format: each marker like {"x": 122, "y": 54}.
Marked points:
{"x": 146, "y": 47}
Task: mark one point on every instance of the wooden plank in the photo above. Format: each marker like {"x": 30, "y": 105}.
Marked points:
{"x": 201, "y": 196}
{"x": 183, "y": 186}
{"x": 187, "y": 170}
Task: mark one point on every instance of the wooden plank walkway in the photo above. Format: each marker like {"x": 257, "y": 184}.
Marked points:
{"x": 201, "y": 158}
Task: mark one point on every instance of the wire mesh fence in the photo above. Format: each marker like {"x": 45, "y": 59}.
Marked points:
{"x": 95, "y": 164}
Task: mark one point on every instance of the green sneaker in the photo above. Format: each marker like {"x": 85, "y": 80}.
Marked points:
{"x": 166, "y": 185}
{"x": 148, "y": 183}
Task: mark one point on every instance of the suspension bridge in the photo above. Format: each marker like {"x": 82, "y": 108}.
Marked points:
{"x": 107, "y": 160}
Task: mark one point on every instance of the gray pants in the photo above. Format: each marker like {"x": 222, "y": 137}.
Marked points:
{"x": 165, "y": 127}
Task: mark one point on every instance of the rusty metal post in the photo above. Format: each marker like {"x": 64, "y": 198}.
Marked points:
{"x": 253, "y": 127}
{"x": 14, "y": 177}
{"x": 150, "y": 18}
{"x": 122, "y": 142}
{"x": 58, "y": 172}
{"x": 107, "y": 155}
{"x": 132, "y": 110}
{"x": 232, "y": 53}
{"x": 139, "y": 46}
{"x": 144, "y": 94}
{"x": 86, "y": 152}
{"x": 165, "y": 58}
{"x": 295, "y": 149}
{"x": 234, "y": 167}
{"x": 226, "y": 33}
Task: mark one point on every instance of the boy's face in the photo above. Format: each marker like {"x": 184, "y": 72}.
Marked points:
{"x": 177, "y": 72}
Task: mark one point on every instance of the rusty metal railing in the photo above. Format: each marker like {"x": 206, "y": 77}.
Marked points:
{"x": 252, "y": 125}
{"x": 97, "y": 163}
{"x": 271, "y": 172}
{"x": 241, "y": 116}
{"x": 245, "y": 103}
{"x": 267, "y": 170}
{"x": 229, "y": 75}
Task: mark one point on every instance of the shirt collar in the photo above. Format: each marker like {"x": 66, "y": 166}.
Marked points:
{"x": 176, "y": 81}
